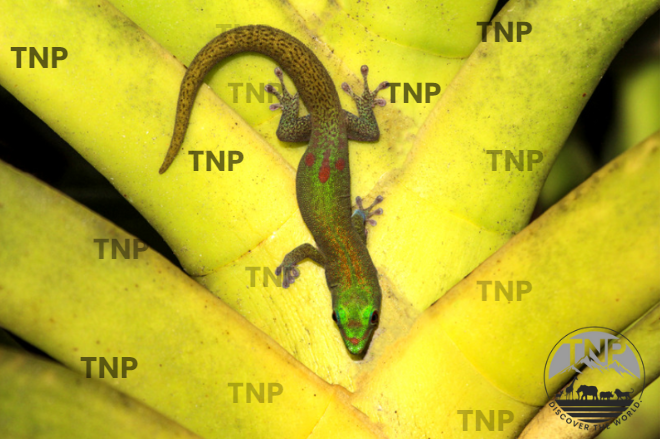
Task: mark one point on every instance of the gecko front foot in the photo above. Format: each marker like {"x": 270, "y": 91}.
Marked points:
{"x": 366, "y": 213}
{"x": 368, "y": 100}
{"x": 291, "y": 260}
{"x": 289, "y": 273}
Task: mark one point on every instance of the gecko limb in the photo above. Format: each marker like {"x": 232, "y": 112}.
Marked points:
{"x": 293, "y": 258}
{"x": 361, "y": 216}
{"x": 291, "y": 128}
{"x": 364, "y": 126}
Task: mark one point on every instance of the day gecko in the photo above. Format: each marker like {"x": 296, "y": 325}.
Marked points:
{"x": 323, "y": 182}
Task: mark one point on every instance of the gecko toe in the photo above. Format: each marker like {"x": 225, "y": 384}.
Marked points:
{"x": 378, "y": 211}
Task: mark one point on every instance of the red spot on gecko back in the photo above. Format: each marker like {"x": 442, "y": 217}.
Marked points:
{"x": 309, "y": 159}
{"x": 340, "y": 164}
{"x": 324, "y": 172}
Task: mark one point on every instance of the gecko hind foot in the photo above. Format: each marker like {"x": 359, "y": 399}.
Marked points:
{"x": 368, "y": 98}
{"x": 287, "y": 101}
{"x": 289, "y": 274}
{"x": 366, "y": 213}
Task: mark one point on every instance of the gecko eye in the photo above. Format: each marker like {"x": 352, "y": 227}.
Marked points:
{"x": 334, "y": 316}
{"x": 374, "y": 318}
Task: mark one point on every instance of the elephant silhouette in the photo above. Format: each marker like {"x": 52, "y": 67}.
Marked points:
{"x": 624, "y": 395}
{"x": 606, "y": 395}
{"x": 588, "y": 391}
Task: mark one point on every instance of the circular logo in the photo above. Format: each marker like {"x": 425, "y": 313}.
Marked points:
{"x": 604, "y": 393}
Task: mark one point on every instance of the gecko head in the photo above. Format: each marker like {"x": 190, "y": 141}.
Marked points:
{"x": 356, "y": 323}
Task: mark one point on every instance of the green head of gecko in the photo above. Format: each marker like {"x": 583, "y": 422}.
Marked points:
{"x": 356, "y": 321}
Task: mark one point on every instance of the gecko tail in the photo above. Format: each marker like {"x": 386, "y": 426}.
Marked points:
{"x": 308, "y": 74}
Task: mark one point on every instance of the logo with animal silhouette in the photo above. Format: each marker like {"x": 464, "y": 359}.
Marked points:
{"x": 606, "y": 395}
{"x": 585, "y": 374}
{"x": 624, "y": 395}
